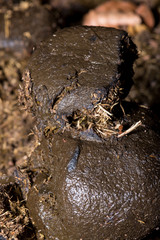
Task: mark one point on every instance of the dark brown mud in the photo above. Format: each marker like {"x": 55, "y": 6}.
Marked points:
{"x": 68, "y": 77}
{"x": 92, "y": 190}
{"x": 23, "y": 25}
{"x": 90, "y": 182}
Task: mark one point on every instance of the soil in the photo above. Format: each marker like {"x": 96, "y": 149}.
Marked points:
{"x": 21, "y": 175}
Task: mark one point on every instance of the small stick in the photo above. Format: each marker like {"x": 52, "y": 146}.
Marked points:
{"x": 104, "y": 110}
{"x": 122, "y": 109}
{"x": 133, "y": 127}
{"x": 143, "y": 106}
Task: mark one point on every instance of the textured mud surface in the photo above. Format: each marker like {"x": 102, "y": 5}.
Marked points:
{"x": 89, "y": 187}
{"x": 23, "y": 25}
{"x": 89, "y": 190}
{"x": 71, "y": 83}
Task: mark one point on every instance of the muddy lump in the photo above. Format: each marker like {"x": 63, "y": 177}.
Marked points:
{"x": 91, "y": 183}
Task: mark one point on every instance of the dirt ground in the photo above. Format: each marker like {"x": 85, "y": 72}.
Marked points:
{"x": 17, "y": 142}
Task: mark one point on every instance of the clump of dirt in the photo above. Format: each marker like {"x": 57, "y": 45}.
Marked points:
{"x": 71, "y": 132}
{"x": 94, "y": 167}
{"x": 74, "y": 96}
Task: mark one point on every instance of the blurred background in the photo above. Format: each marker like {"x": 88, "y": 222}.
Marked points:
{"x": 23, "y": 25}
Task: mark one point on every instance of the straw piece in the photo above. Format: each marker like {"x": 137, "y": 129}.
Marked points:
{"x": 133, "y": 127}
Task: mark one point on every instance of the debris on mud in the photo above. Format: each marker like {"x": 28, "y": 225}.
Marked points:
{"x": 94, "y": 154}
{"x": 34, "y": 173}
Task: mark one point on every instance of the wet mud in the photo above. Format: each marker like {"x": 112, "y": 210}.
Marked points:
{"x": 88, "y": 181}
{"x": 73, "y": 77}
{"x": 95, "y": 190}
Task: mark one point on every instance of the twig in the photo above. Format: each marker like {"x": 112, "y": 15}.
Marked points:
{"x": 105, "y": 111}
{"x": 133, "y": 127}
{"x": 143, "y": 106}
{"x": 122, "y": 109}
